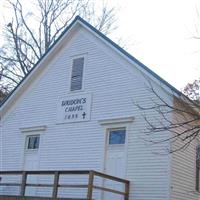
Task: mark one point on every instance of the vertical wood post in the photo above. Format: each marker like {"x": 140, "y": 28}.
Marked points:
{"x": 90, "y": 185}
{"x": 197, "y": 177}
{"x": 23, "y": 184}
{"x": 127, "y": 185}
{"x": 55, "y": 185}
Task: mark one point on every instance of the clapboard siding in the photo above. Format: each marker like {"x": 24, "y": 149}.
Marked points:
{"x": 183, "y": 167}
{"x": 183, "y": 174}
{"x": 115, "y": 85}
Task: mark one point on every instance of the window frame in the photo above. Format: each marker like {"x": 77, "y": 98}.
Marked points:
{"x": 27, "y": 142}
{"x": 84, "y": 56}
{"x": 116, "y": 129}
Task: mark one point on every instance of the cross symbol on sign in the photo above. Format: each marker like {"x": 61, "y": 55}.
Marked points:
{"x": 84, "y": 114}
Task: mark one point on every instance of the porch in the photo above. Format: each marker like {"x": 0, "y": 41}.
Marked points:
{"x": 90, "y": 186}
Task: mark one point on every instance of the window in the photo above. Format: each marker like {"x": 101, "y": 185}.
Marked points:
{"x": 117, "y": 136}
{"x": 198, "y": 168}
{"x": 77, "y": 74}
{"x": 33, "y": 141}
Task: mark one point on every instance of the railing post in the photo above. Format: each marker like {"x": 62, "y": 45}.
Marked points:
{"x": 90, "y": 185}
{"x": 23, "y": 184}
{"x": 127, "y": 185}
{"x": 55, "y": 185}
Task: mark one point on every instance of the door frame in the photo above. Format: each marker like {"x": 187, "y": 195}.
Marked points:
{"x": 107, "y": 124}
{"x": 31, "y": 150}
{"x": 28, "y": 131}
{"x": 32, "y": 131}
{"x": 106, "y": 148}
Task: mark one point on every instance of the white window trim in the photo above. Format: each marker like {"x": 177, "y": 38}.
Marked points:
{"x": 113, "y": 121}
{"x": 113, "y": 129}
{"x": 33, "y": 129}
{"x": 26, "y": 142}
{"x": 70, "y": 74}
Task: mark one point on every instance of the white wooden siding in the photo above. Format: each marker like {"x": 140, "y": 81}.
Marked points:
{"x": 183, "y": 167}
{"x": 115, "y": 85}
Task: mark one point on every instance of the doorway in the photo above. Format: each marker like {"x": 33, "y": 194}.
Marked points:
{"x": 31, "y": 161}
{"x": 115, "y": 160}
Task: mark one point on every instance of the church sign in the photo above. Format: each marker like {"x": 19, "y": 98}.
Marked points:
{"x": 75, "y": 108}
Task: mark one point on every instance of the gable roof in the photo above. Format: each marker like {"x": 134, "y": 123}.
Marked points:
{"x": 81, "y": 21}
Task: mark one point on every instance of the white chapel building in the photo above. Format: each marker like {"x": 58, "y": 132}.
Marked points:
{"x": 77, "y": 110}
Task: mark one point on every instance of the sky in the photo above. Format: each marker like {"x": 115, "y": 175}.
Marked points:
{"x": 159, "y": 33}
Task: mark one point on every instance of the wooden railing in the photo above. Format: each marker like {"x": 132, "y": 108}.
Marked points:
{"x": 90, "y": 186}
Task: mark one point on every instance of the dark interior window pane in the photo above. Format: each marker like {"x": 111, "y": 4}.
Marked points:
{"x": 117, "y": 136}
{"x": 33, "y": 142}
{"x": 36, "y": 143}
{"x": 30, "y": 146}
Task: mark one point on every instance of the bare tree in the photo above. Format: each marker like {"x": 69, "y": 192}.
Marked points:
{"x": 2, "y": 95}
{"x": 192, "y": 90}
{"x": 30, "y": 34}
{"x": 180, "y": 117}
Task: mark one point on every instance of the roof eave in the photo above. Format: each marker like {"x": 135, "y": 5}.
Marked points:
{"x": 101, "y": 36}
{"x": 39, "y": 63}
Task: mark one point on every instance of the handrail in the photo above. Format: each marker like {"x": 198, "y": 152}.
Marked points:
{"x": 114, "y": 178}
{"x": 90, "y": 186}
{"x": 46, "y": 172}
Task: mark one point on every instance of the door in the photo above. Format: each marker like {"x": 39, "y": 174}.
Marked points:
{"x": 31, "y": 161}
{"x": 115, "y": 163}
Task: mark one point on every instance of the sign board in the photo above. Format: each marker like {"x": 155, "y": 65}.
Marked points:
{"x": 74, "y": 108}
